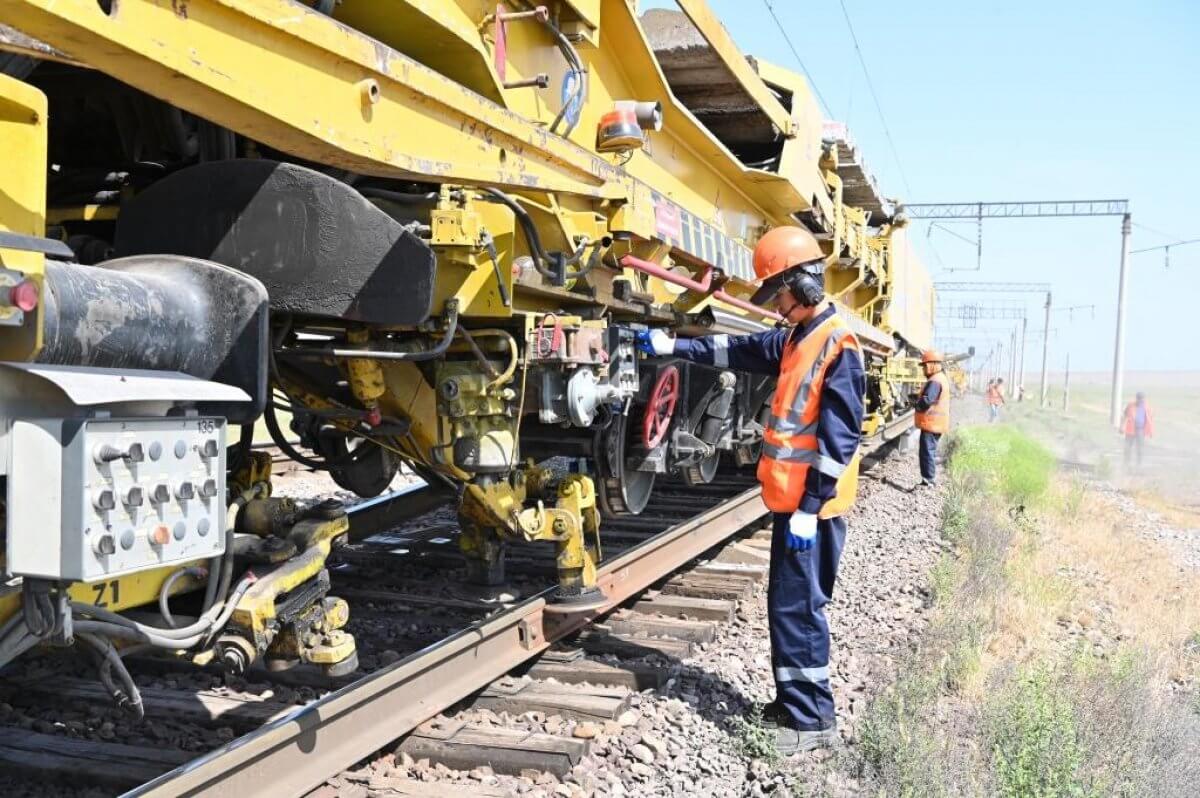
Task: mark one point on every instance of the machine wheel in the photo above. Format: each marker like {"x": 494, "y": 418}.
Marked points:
{"x": 749, "y": 455}
{"x": 367, "y": 472}
{"x": 703, "y": 472}
{"x": 620, "y": 489}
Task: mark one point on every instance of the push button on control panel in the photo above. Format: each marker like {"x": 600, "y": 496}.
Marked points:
{"x": 185, "y": 491}
{"x": 159, "y": 535}
{"x": 105, "y": 545}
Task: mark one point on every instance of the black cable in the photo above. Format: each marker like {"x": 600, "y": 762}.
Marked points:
{"x": 874, "y": 96}
{"x": 576, "y": 66}
{"x": 489, "y": 245}
{"x": 529, "y": 229}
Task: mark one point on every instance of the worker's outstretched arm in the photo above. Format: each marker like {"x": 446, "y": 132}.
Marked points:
{"x": 759, "y": 353}
{"x": 839, "y": 428}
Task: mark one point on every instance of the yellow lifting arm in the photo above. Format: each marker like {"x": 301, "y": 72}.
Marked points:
{"x": 299, "y": 81}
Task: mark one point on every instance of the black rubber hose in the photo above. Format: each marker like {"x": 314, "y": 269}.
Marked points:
{"x": 126, "y": 693}
{"x": 490, "y": 246}
{"x": 529, "y": 229}
{"x": 281, "y": 441}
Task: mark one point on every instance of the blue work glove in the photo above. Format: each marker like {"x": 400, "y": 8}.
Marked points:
{"x": 655, "y": 342}
{"x": 802, "y": 531}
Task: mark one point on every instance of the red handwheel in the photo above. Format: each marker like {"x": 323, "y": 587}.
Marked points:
{"x": 661, "y": 407}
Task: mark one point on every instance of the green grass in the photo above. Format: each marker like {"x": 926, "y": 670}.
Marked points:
{"x": 1004, "y": 460}
{"x": 1036, "y": 748}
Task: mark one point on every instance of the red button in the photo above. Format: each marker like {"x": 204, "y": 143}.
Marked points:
{"x": 24, "y": 295}
{"x": 160, "y": 535}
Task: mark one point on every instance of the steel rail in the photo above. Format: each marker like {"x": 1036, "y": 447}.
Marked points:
{"x": 294, "y": 754}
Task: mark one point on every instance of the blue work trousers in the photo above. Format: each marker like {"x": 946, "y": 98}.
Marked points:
{"x": 800, "y": 585}
{"x": 928, "y": 454}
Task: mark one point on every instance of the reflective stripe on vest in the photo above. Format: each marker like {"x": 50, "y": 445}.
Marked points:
{"x": 790, "y": 445}
{"x": 937, "y": 418}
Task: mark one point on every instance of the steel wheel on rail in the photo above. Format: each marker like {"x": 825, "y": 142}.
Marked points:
{"x": 620, "y": 488}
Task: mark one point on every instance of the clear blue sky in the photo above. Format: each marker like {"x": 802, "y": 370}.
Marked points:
{"x": 1026, "y": 101}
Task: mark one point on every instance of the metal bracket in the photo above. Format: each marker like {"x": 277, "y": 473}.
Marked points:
{"x": 530, "y": 633}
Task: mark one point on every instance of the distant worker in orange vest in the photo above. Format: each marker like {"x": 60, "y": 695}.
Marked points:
{"x": 808, "y": 468}
{"x": 1138, "y": 425}
{"x": 933, "y": 413}
{"x": 995, "y": 398}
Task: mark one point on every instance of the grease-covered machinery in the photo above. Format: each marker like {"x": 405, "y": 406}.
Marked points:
{"x": 405, "y": 232}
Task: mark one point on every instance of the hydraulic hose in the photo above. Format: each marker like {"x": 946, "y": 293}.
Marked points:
{"x": 534, "y": 241}
{"x": 540, "y": 258}
{"x": 16, "y": 641}
{"x": 513, "y": 352}
{"x": 164, "y": 595}
{"x": 126, "y": 693}
{"x": 118, "y": 627}
{"x": 384, "y": 354}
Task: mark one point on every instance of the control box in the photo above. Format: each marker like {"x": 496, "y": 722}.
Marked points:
{"x": 91, "y": 498}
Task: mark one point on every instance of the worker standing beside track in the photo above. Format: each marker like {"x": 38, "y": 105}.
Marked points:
{"x": 995, "y": 398}
{"x": 1137, "y": 425}
{"x": 808, "y": 468}
{"x": 933, "y": 413}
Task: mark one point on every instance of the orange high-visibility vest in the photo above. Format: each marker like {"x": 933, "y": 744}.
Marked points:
{"x": 937, "y": 417}
{"x": 994, "y": 396}
{"x": 1130, "y": 425}
{"x": 790, "y": 437}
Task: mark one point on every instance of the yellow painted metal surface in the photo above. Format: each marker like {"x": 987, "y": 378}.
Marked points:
{"x": 122, "y": 593}
{"x": 23, "y": 118}
{"x": 289, "y": 77}
{"x": 913, "y": 300}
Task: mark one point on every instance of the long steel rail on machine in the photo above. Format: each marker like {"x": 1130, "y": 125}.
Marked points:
{"x": 296, "y": 753}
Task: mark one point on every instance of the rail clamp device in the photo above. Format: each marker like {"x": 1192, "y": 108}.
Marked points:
{"x": 115, "y": 474}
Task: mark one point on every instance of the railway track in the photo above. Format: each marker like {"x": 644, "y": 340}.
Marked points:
{"x": 426, "y": 643}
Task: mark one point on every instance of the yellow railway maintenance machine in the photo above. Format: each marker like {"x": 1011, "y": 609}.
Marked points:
{"x": 406, "y": 232}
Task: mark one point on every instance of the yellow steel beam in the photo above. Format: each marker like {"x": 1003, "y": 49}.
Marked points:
{"x": 23, "y": 118}
{"x": 299, "y": 81}
{"x": 723, "y": 45}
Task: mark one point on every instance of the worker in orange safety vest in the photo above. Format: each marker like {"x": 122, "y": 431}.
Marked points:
{"x": 1137, "y": 425}
{"x": 808, "y": 468}
{"x": 995, "y": 398}
{"x": 933, "y": 413}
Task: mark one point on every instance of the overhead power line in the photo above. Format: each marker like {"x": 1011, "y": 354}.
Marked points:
{"x": 875, "y": 96}
{"x": 1167, "y": 247}
{"x": 799, "y": 60}
{"x": 1156, "y": 232}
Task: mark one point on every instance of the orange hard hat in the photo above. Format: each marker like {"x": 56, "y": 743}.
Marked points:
{"x": 778, "y": 251}
{"x": 932, "y": 356}
{"x": 782, "y": 248}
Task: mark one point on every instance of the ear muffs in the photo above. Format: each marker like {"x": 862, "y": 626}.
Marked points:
{"x": 807, "y": 286}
